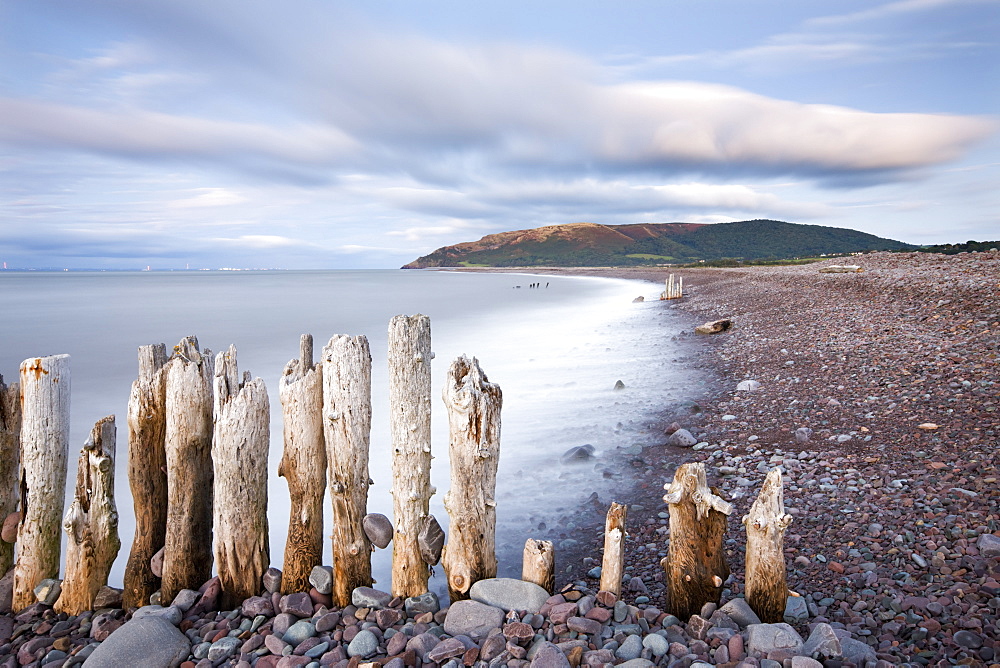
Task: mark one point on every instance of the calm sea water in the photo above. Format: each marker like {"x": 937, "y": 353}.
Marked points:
{"x": 556, "y": 351}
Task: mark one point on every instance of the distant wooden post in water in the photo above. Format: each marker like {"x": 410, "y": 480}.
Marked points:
{"x": 410, "y": 429}
{"x": 674, "y": 290}
{"x": 347, "y": 411}
{"x": 303, "y": 465}
{"x": 187, "y": 559}
{"x": 239, "y": 454}
{"x": 695, "y": 564}
{"x": 539, "y": 564}
{"x": 613, "y": 564}
{"x": 10, "y": 461}
{"x": 147, "y": 474}
{"x": 473, "y": 404}
{"x": 45, "y": 394}
{"x": 766, "y": 587}
{"x": 91, "y": 523}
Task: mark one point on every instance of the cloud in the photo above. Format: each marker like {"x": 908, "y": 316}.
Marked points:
{"x": 260, "y": 241}
{"x": 209, "y": 197}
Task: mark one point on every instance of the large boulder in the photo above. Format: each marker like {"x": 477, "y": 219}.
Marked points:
{"x": 766, "y": 638}
{"x": 714, "y": 327}
{"x": 509, "y": 594}
{"x": 473, "y": 619}
{"x": 149, "y": 641}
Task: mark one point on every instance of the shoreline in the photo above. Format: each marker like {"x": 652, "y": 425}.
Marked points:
{"x": 885, "y": 539}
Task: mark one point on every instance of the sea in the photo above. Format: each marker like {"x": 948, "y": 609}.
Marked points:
{"x": 557, "y": 350}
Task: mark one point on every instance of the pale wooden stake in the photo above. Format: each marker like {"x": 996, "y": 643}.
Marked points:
{"x": 10, "y": 461}
{"x": 147, "y": 474}
{"x": 613, "y": 564}
{"x": 303, "y": 465}
{"x": 766, "y": 588}
{"x": 410, "y": 429}
{"x": 91, "y": 523}
{"x": 239, "y": 454}
{"x": 347, "y": 411}
{"x": 473, "y": 404}
{"x": 539, "y": 564}
{"x": 187, "y": 557}
{"x": 695, "y": 564}
{"x": 45, "y": 388}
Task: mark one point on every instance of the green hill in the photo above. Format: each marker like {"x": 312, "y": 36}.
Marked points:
{"x": 590, "y": 244}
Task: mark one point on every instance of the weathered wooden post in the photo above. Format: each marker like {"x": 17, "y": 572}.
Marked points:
{"x": 539, "y": 564}
{"x": 147, "y": 474}
{"x": 303, "y": 465}
{"x": 91, "y": 523}
{"x": 10, "y": 461}
{"x": 695, "y": 564}
{"x": 187, "y": 557}
{"x": 347, "y": 412}
{"x": 45, "y": 394}
{"x": 239, "y": 454}
{"x": 766, "y": 588}
{"x": 473, "y": 405}
{"x": 410, "y": 429}
{"x": 613, "y": 564}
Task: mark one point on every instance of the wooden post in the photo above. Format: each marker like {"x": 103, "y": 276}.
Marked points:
{"x": 303, "y": 465}
{"x": 410, "y": 429}
{"x": 766, "y": 588}
{"x": 91, "y": 523}
{"x": 10, "y": 460}
{"x": 147, "y": 474}
{"x": 695, "y": 564}
{"x": 539, "y": 564}
{"x": 613, "y": 564}
{"x": 45, "y": 388}
{"x": 347, "y": 409}
{"x": 239, "y": 454}
{"x": 473, "y": 405}
{"x": 187, "y": 556}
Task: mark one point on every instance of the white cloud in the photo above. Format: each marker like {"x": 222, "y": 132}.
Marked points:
{"x": 208, "y": 197}
{"x": 260, "y": 241}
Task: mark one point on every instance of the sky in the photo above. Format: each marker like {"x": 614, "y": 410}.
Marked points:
{"x": 318, "y": 134}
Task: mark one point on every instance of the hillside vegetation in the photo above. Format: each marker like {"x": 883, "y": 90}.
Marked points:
{"x": 591, "y": 244}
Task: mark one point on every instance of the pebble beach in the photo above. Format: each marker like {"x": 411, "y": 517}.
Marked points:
{"x": 876, "y": 394}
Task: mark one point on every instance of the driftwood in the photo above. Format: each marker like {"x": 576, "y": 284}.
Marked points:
{"x": 539, "y": 564}
{"x": 613, "y": 563}
{"x": 347, "y": 409}
{"x": 714, "y": 327}
{"x": 473, "y": 404}
{"x": 766, "y": 588}
{"x": 45, "y": 395}
{"x": 147, "y": 474}
{"x": 303, "y": 465}
{"x": 410, "y": 429}
{"x": 10, "y": 460}
{"x": 695, "y": 564}
{"x": 91, "y": 523}
{"x": 239, "y": 455}
{"x": 187, "y": 557}
{"x": 841, "y": 269}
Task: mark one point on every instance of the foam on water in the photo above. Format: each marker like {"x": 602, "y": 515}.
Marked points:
{"x": 556, "y": 351}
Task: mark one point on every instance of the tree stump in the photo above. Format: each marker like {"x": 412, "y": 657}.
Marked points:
{"x": 695, "y": 564}
{"x": 303, "y": 465}
{"x": 10, "y": 460}
{"x": 240, "y": 444}
{"x": 147, "y": 474}
{"x": 766, "y": 588}
{"x": 347, "y": 409}
{"x": 539, "y": 564}
{"x": 410, "y": 429}
{"x": 187, "y": 557}
{"x": 473, "y": 404}
{"x": 613, "y": 564}
{"x": 91, "y": 523}
{"x": 45, "y": 397}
